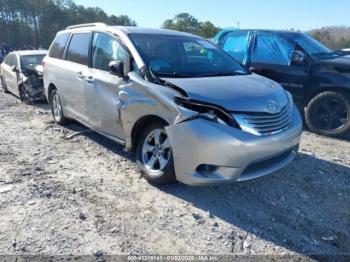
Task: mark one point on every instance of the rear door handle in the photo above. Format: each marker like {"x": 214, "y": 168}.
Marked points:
{"x": 90, "y": 80}
{"x": 80, "y": 75}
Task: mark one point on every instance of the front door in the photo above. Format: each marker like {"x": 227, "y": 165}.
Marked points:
{"x": 270, "y": 56}
{"x": 102, "y": 87}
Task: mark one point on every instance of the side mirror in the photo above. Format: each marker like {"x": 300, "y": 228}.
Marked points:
{"x": 14, "y": 68}
{"x": 117, "y": 68}
{"x": 298, "y": 57}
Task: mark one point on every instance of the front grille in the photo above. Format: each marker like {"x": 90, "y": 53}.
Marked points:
{"x": 265, "y": 124}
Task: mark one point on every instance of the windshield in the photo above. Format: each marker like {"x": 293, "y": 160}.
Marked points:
{"x": 310, "y": 45}
{"x": 184, "y": 56}
{"x": 31, "y": 60}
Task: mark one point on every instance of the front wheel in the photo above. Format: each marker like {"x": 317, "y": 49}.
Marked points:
{"x": 154, "y": 155}
{"x": 57, "y": 109}
{"x": 328, "y": 113}
{"x": 24, "y": 95}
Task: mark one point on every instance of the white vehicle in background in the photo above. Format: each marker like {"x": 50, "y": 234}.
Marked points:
{"x": 22, "y": 74}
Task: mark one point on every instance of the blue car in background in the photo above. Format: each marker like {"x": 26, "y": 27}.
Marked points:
{"x": 318, "y": 77}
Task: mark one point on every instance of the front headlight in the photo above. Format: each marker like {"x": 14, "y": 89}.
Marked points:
{"x": 290, "y": 103}
{"x": 207, "y": 111}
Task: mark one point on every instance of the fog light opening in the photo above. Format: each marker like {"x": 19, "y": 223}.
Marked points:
{"x": 206, "y": 169}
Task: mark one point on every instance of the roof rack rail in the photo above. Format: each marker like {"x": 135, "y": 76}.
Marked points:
{"x": 86, "y": 25}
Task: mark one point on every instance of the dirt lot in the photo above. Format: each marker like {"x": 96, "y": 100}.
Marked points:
{"x": 83, "y": 195}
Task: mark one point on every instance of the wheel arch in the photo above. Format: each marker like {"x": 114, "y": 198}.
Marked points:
{"x": 140, "y": 124}
{"x": 319, "y": 90}
{"x": 49, "y": 91}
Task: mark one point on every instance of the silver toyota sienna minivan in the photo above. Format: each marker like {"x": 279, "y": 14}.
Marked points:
{"x": 191, "y": 112}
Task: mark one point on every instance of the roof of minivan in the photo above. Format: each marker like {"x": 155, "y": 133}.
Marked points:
{"x": 31, "y": 52}
{"x": 131, "y": 30}
{"x": 143, "y": 30}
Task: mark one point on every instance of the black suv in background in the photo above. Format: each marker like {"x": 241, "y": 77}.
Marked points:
{"x": 318, "y": 78}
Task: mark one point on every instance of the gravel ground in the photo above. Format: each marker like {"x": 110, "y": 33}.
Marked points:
{"x": 82, "y": 195}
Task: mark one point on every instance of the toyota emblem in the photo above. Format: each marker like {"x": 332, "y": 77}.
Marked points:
{"x": 272, "y": 107}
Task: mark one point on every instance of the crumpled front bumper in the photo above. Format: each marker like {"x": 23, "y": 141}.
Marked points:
{"x": 237, "y": 155}
{"x": 36, "y": 93}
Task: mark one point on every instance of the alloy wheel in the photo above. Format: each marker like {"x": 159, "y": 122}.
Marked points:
{"x": 331, "y": 114}
{"x": 56, "y": 107}
{"x": 156, "y": 150}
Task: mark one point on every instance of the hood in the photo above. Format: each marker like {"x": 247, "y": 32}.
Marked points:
{"x": 244, "y": 93}
{"x": 341, "y": 61}
{"x": 339, "y": 65}
{"x": 338, "y": 60}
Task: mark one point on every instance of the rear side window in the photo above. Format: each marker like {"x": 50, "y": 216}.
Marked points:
{"x": 271, "y": 49}
{"x": 58, "y": 45}
{"x": 236, "y": 45}
{"x": 78, "y": 50}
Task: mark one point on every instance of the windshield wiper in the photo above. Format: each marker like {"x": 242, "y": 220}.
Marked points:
{"x": 221, "y": 74}
{"x": 170, "y": 74}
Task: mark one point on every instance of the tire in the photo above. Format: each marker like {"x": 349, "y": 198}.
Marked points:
{"x": 24, "y": 95}
{"x": 57, "y": 109}
{"x": 328, "y": 113}
{"x": 161, "y": 170}
{"x": 3, "y": 84}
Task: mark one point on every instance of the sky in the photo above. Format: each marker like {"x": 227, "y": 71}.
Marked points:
{"x": 269, "y": 14}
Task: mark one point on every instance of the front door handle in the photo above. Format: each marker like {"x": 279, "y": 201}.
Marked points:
{"x": 90, "y": 80}
{"x": 80, "y": 75}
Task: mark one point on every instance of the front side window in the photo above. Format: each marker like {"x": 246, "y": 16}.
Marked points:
{"x": 184, "y": 56}
{"x": 270, "y": 48}
{"x": 236, "y": 44}
{"x": 310, "y": 45}
{"x": 105, "y": 49}
{"x": 14, "y": 61}
{"x": 78, "y": 50}
{"x": 58, "y": 45}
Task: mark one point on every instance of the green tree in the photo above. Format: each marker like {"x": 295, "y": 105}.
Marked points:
{"x": 333, "y": 37}
{"x": 35, "y": 22}
{"x": 209, "y": 30}
{"x": 185, "y": 22}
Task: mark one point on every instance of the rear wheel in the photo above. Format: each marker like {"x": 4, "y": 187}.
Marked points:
{"x": 328, "y": 113}
{"x": 3, "y": 84}
{"x": 57, "y": 109}
{"x": 154, "y": 155}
